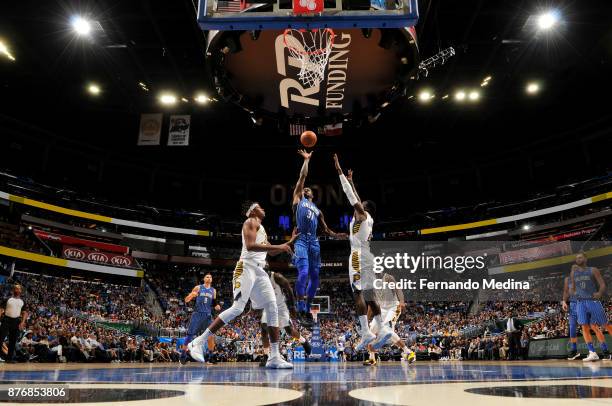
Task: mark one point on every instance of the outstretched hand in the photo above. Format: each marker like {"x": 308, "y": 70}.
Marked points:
{"x": 305, "y": 154}
{"x": 349, "y": 176}
{"x": 337, "y": 164}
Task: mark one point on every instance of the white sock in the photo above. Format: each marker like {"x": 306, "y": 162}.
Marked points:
{"x": 363, "y": 321}
{"x": 199, "y": 340}
{"x": 406, "y": 350}
{"x": 372, "y": 356}
{"x": 274, "y": 352}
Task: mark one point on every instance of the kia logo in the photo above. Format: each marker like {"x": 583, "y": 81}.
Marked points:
{"x": 121, "y": 261}
{"x": 97, "y": 257}
{"x": 74, "y": 253}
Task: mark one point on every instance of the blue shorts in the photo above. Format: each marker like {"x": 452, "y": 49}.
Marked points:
{"x": 198, "y": 323}
{"x": 307, "y": 252}
{"x": 591, "y": 311}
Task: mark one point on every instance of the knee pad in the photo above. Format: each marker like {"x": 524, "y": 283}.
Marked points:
{"x": 234, "y": 311}
{"x": 271, "y": 314}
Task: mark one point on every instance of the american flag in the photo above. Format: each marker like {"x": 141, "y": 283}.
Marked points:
{"x": 231, "y": 6}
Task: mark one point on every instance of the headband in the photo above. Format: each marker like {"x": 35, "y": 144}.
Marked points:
{"x": 248, "y": 212}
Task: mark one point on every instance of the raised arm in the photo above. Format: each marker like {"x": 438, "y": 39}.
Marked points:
{"x": 193, "y": 294}
{"x": 349, "y": 190}
{"x": 349, "y": 177}
{"x": 249, "y": 230}
{"x": 299, "y": 186}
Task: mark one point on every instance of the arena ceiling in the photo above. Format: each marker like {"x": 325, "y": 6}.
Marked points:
{"x": 138, "y": 49}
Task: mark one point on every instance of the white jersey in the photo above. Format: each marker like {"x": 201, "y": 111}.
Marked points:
{"x": 259, "y": 257}
{"x": 278, "y": 292}
{"x": 361, "y": 233}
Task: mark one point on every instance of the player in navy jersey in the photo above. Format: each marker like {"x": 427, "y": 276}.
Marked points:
{"x": 206, "y": 298}
{"x": 572, "y": 317}
{"x": 588, "y": 287}
{"x": 307, "y": 257}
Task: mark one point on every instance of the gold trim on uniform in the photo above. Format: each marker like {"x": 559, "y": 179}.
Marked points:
{"x": 355, "y": 263}
{"x": 237, "y": 274}
{"x": 356, "y": 226}
{"x": 398, "y": 311}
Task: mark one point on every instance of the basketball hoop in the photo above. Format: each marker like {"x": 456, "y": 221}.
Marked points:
{"x": 312, "y": 49}
{"x": 314, "y": 310}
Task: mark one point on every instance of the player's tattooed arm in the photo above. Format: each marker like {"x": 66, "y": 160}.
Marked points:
{"x": 326, "y": 230}
{"x": 600, "y": 282}
{"x": 299, "y": 186}
{"x": 250, "y": 237}
{"x": 193, "y": 294}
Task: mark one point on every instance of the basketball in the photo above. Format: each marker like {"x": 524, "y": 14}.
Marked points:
{"x": 308, "y": 139}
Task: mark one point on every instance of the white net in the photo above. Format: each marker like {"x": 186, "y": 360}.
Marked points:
{"x": 312, "y": 49}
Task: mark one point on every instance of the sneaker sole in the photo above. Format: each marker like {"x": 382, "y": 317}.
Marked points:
{"x": 365, "y": 344}
{"x": 380, "y": 343}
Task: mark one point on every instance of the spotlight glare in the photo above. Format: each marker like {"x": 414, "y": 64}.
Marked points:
{"x": 81, "y": 26}
{"x": 548, "y": 20}
{"x": 94, "y": 89}
{"x": 425, "y": 96}
{"x": 167, "y": 99}
{"x": 5, "y": 51}
{"x": 526, "y": 227}
{"x": 201, "y": 98}
{"x": 460, "y": 95}
{"x": 533, "y": 88}
{"x": 474, "y": 95}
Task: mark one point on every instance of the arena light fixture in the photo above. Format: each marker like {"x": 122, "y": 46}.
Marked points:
{"x": 474, "y": 95}
{"x": 532, "y": 88}
{"x": 548, "y": 20}
{"x": 93, "y": 89}
{"x": 460, "y": 95}
{"x": 526, "y": 227}
{"x": 201, "y": 98}
{"x": 81, "y": 25}
{"x": 167, "y": 99}
{"x": 184, "y": 100}
{"x": 425, "y": 96}
{"x": 5, "y": 51}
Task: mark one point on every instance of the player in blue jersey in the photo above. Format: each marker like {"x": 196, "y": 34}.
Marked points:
{"x": 307, "y": 257}
{"x": 572, "y": 317}
{"x": 206, "y": 298}
{"x": 588, "y": 287}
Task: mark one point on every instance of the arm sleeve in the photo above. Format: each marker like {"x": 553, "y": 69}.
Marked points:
{"x": 348, "y": 190}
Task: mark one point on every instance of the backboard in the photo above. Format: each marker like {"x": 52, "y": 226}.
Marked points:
{"x": 236, "y": 15}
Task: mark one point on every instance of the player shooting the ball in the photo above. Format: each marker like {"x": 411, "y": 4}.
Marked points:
{"x": 307, "y": 257}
